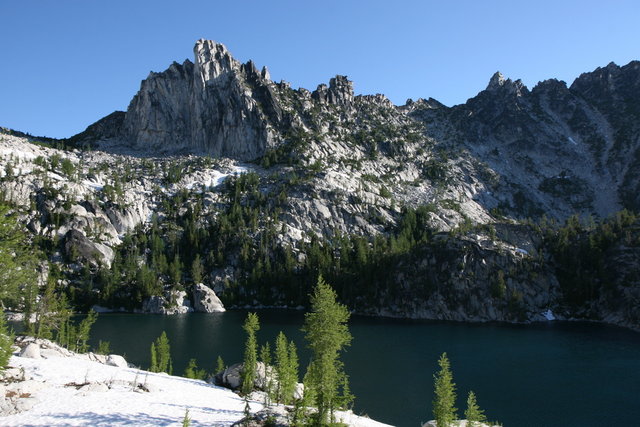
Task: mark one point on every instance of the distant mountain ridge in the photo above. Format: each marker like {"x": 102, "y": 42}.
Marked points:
{"x": 419, "y": 210}
{"x": 556, "y": 148}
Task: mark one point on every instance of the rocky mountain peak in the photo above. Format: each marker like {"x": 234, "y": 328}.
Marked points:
{"x": 611, "y": 78}
{"x": 209, "y": 50}
{"x": 339, "y": 92}
{"x": 213, "y": 59}
{"x": 214, "y": 105}
{"x": 496, "y": 81}
{"x": 499, "y": 83}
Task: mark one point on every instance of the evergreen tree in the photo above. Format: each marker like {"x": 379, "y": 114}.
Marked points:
{"x": 265, "y": 357}
{"x": 292, "y": 373}
{"x": 175, "y": 270}
{"x": 282, "y": 362}
{"x": 219, "y": 365}
{"x": 104, "y": 347}
{"x": 17, "y": 258}
{"x": 473, "y": 414}
{"x": 444, "y": 411}
{"x": 286, "y": 362}
{"x": 154, "y": 359}
{"x": 6, "y": 341}
{"x": 186, "y": 420}
{"x": 197, "y": 270}
{"x": 161, "y": 355}
{"x": 265, "y": 354}
{"x": 246, "y": 420}
{"x": 192, "y": 371}
{"x": 80, "y": 334}
{"x": 327, "y": 334}
{"x": 346, "y": 397}
{"x": 52, "y": 315}
{"x": 251, "y": 326}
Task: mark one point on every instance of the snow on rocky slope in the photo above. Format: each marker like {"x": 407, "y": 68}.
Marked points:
{"x": 54, "y": 386}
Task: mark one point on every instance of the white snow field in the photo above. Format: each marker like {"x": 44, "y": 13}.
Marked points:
{"x": 65, "y": 389}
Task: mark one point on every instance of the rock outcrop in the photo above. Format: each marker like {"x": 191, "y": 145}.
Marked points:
{"x": 80, "y": 249}
{"x": 205, "y": 300}
{"x": 32, "y": 351}
{"x": 214, "y": 105}
{"x": 175, "y": 302}
{"x": 553, "y": 149}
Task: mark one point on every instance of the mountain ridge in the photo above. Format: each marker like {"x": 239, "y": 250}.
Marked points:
{"x": 419, "y": 210}
{"x": 221, "y": 107}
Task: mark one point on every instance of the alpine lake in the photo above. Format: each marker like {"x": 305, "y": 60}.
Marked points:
{"x": 544, "y": 374}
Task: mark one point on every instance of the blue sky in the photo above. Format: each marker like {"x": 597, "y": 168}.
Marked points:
{"x": 66, "y": 64}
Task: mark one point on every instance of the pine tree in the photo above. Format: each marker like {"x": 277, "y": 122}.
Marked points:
{"x": 473, "y": 414}
{"x": 265, "y": 357}
{"x": 186, "y": 420}
{"x": 79, "y": 335}
{"x": 52, "y": 315}
{"x": 104, "y": 347}
{"x": 219, "y": 365}
{"x": 161, "y": 355}
{"x": 175, "y": 270}
{"x": 192, "y": 371}
{"x": 327, "y": 334}
{"x": 444, "y": 411}
{"x": 265, "y": 354}
{"x": 346, "y": 397}
{"x": 246, "y": 420}
{"x": 286, "y": 368}
{"x": 17, "y": 258}
{"x": 292, "y": 370}
{"x": 197, "y": 270}
{"x": 154, "y": 359}
{"x": 251, "y": 326}
{"x": 6, "y": 341}
{"x": 282, "y": 362}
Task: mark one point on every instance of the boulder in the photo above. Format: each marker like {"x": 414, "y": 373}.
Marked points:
{"x": 78, "y": 247}
{"x": 232, "y": 376}
{"x": 205, "y": 300}
{"x": 181, "y": 303}
{"x": 31, "y": 351}
{"x": 116, "y": 360}
{"x": 177, "y": 303}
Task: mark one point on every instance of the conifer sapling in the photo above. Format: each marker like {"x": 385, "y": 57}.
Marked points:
{"x": 444, "y": 411}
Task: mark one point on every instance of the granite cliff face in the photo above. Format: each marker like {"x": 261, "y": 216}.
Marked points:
{"x": 552, "y": 150}
{"x": 418, "y": 210}
{"x": 215, "y": 106}
{"x": 557, "y": 150}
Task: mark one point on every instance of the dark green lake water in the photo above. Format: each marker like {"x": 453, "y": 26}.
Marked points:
{"x": 555, "y": 374}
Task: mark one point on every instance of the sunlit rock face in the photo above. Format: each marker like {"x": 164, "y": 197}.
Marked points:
{"x": 215, "y": 106}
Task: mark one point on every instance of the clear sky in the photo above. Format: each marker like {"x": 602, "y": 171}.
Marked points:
{"x": 65, "y": 64}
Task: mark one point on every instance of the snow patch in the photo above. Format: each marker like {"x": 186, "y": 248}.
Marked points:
{"x": 65, "y": 399}
{"x": 84, "y": 389}
{"x": 214, "y": 178}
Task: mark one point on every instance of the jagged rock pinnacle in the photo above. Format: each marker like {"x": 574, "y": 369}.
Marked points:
{"x": 339, "y": 92}
{"x": 497, "y": 81}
